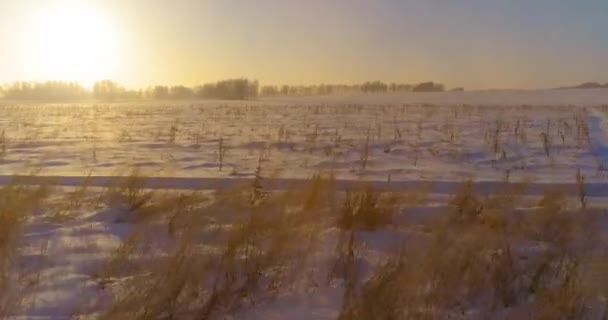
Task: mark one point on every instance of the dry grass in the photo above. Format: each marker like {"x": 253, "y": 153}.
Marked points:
{"x": 262, "y": 245}
{"x": 211, "y": 255}
{"x": 366, "y": 209}
{"x": 131, "y": 193}
{"x": 16, "y": 203}
{"x": 476, "y": 268}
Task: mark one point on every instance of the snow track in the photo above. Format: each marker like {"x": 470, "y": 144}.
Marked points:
{"x": 277, "y": 184}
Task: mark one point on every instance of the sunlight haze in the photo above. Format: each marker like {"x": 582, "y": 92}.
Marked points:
{"x": 304, "y": 159}
{"x": 471, "y": 43}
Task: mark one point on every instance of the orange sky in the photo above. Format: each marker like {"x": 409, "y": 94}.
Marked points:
{"x": 471, "y": 43}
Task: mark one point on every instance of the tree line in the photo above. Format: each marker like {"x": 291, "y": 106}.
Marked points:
{"x": 234, "y": 89}
{"x": 366, "y": 87}
{"x": 231, "y": 89}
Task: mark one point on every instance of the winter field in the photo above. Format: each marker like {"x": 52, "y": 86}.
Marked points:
{"x": 459, "y": 205}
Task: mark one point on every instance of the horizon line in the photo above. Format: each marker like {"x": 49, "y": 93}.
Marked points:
{"x": 85, "y": 85}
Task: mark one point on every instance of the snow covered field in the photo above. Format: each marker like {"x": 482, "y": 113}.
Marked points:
{"x": 231, "y": 225}
{"x": 368, "y": 137}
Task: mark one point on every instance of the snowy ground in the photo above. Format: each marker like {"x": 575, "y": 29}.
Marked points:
{"x": 369, "y": 137}
{"x": 415, "y": 142}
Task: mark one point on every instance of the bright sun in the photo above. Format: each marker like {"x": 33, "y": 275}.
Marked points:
{"x": 71, "y": 42}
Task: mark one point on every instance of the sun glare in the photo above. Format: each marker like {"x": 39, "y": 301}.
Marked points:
{"x": 71, "y": 42}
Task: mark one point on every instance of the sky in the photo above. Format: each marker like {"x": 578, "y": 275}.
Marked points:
{"x": 476, "y": 44}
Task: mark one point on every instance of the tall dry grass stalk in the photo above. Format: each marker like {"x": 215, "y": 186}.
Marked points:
{"x": 16, "y": 203}
{"x": 211, "y": 255}
{"x": 262, "y": 247}
{"x": 475, "y": 262}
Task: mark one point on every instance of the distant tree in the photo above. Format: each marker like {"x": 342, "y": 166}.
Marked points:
{"x": 285, "y": 90}
{"x": 587, "y": 85}
{"x": 49, "y": 90}
{"x": 206, "y": 91}
{"x": 181, "y": 92}
{"x": 374, "y": 87}
{"x": 295, "y": 90}
{"x": 253, "y": 88}
{"x": 107, "y": 90}
{"x": 234, "y": 89}
{"x": 325, "y": 89}
{"x": 160, "y": 92}
{"x": 269, "y": 91}
{"x": 428, "y": 87}
{"x": 405, "y": 87}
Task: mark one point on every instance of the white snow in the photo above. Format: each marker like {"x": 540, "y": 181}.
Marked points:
{"x": 412, "y": 140}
